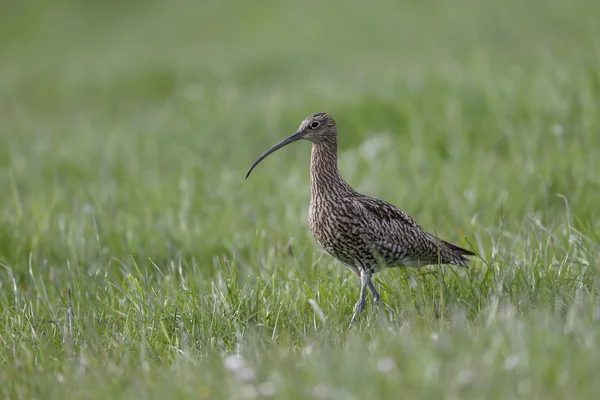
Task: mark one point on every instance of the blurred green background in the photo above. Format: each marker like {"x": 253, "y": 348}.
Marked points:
{"x": 133, "y": 107}
{"x": 126, "y": 129}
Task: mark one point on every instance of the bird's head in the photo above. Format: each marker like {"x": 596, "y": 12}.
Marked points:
{"x": 317, "y": 128}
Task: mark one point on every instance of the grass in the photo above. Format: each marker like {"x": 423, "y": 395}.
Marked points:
{"x": 135, "y": 261}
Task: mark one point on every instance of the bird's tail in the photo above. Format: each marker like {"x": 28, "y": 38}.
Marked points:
{"x": 458, "y": 249}
{"x": 458, "y": 254}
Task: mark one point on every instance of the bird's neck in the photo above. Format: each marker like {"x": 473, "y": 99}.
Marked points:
{"x": 325, "y": 178}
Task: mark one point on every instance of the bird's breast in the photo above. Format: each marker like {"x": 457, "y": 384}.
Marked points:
{"x": 331, "y": 234}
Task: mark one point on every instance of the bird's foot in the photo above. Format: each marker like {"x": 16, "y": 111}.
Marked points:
{"x": 378, "y": 305}
{"x": 358, "y": 308}
{"x": 377, "y": 302}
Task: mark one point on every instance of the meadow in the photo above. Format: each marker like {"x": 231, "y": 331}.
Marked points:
{"x": 136, "y": 261}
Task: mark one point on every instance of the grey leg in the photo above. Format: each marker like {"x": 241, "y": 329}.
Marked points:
{"x": 365, "y": 279}
{"x": 377, "y": 301}
{"x": 376, "y": 297}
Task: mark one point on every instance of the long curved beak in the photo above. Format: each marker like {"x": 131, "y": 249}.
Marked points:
{"x": 290, "y": 139}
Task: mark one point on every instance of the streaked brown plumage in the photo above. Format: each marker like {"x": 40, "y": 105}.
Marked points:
{"x": 362, "y": 232}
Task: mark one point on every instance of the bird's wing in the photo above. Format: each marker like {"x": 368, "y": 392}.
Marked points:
{"x": 391, "y": 233}
{"x": 394, "y": 235}
{"x": 376, "y": 210}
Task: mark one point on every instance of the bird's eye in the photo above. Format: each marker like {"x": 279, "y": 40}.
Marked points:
{"x": 314, "y": 125}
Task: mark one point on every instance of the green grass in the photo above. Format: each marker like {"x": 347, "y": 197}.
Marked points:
{"x": 136, "y": 262}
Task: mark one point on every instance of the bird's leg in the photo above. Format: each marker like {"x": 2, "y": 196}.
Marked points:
{"x": 376, "y": 297}
{"x": 377, "y": 301}
{"x": 365, "y": 279}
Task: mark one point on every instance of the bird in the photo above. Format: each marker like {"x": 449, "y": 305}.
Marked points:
{"x": 362, "y": 232}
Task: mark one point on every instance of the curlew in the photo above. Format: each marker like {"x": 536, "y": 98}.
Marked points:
{"x": 362, "y": 232}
